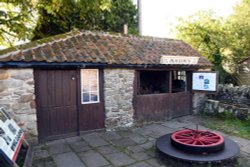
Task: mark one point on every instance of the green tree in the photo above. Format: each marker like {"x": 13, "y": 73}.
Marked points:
{"x": 59, "y": 16}
{"x": 207, "y": 34}
{"x": 121, "y": 12}
{"x": 15, "y": 20}
{"x": 238, "y": 25}
{"x": 225, "y": 42}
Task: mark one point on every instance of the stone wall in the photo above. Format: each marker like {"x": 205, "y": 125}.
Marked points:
{"x": 239, "y": 95}
{"x": 199, "y": 100}
{"x": 118, "y": 93}
{"x": 215, "y": 107}
{"x": 230, "y": 99}
{"x": 17, "y": 97}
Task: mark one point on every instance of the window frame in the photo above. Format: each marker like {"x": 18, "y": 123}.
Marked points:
{"x": 178, "y": 76}
{"x": 98, "y": 87}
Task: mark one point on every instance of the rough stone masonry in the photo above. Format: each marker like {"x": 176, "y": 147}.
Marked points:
{"x": 118, "y": 93}
{"x": 18, "y": 99}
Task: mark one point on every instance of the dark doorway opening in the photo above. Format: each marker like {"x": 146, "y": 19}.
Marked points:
{"x": 179, "y": 83}
{"x": 154, "y": 82}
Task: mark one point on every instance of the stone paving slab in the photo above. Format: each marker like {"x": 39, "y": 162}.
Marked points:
{"x": 59, "y": 148}
{"x": 246, "y": 149}
{"x": 140, "y": 156}
{"x": 124, "y": 142}
{"x": 67, "y": 160}
{"x": 186, "y": 119}
{"x": 46, "y": 162}
{"x": 79, "y": 146}
{"x": 111, "y": 136}
{"x": 242, "y": 142}
{"x": 93, "y": 159}
{"x": 94, "y": 140}
{"x": 147, "y": 145}
{"x": 143, "y": 131}
{"x": 120, "y": 159}
{"x": 176, "y": 124}
{"x": 107, "y": 149}
{"x": 155, "y": 162}
{"x": 139, "y": 139}
{"x": 133, "y": 147}
{"x": 140, "y": 164}
{"x": 159, "y": 129}
{"x": 51, "y": 143}
{"x": 73, "y": 139}
{"x": 126, "y": 133}
{"x": 193, "y": 126}
{"x": 41, "y": 154}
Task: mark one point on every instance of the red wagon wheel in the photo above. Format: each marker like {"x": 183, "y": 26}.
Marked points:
{"x": 197, "y": 141}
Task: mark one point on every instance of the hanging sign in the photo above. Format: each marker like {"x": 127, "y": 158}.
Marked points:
{"x": 179, "y": 60}
{"x": 11, "y": 137}
{"x": 205, "y": 81}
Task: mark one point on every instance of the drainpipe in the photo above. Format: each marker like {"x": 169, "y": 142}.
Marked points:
{"x": 139, "y": 17}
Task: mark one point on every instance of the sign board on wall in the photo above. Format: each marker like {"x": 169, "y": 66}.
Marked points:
{"x": 205, "y": 81}
{"x": 11, "y": 137}
{"x": 188, "y": 60}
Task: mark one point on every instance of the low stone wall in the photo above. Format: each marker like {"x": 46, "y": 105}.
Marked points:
{"x": 118, "y": 93}
{"x": 233, "y": 94}
{"x": 216, "y": 107}
{"x": 18, "y": 99}
{"x": 229, "y": 99}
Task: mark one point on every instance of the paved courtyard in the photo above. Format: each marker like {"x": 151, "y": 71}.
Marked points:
{"x": 128, "y": 148}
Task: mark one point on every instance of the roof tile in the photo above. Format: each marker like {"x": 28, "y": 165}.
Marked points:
{"x": 99, "y": 47}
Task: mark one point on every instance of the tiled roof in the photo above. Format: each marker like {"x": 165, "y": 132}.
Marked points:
{"x": 99, "y": 47}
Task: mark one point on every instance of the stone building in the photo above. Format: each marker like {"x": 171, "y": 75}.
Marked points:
{"x": 80, "y": 81}
{"x": 244, "y": 72}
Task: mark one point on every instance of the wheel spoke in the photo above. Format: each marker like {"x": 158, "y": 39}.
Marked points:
{"x": 194, "y": 143}
{"x": 202, "y": 143}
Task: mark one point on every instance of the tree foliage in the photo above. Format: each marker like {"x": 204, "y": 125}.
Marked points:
{"x": 59, "y": 16}
{"x": 223, "y": 41}
{"x": 15, "y": 20}
{"x": 238, "y": 25}
{"x": 121, "y": 12}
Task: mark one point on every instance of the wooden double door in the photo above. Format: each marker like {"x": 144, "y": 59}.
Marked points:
{"x": 60, "y": 112}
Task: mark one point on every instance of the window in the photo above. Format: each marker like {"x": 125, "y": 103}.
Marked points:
{"x": 178, "y": 81}
{"x": 154, "y": 82}
{"x": 90, "y": 86}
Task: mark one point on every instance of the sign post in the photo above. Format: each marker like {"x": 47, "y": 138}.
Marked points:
{"x": 11, "y": 138}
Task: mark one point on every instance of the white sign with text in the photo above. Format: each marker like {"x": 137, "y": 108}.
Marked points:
{"x": 205, "y": 81}
{"x": 11, "y": 137}
{"x": 188, "y": 60}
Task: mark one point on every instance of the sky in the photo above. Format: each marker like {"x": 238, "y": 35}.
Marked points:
{"x": 160, "y": 16}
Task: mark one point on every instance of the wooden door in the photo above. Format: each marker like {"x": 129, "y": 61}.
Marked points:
{"x": 91, "y": 115}
{"x": 56, "y": 99}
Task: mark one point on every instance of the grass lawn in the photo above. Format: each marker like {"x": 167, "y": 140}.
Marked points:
{"x": 228, "y": 125}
